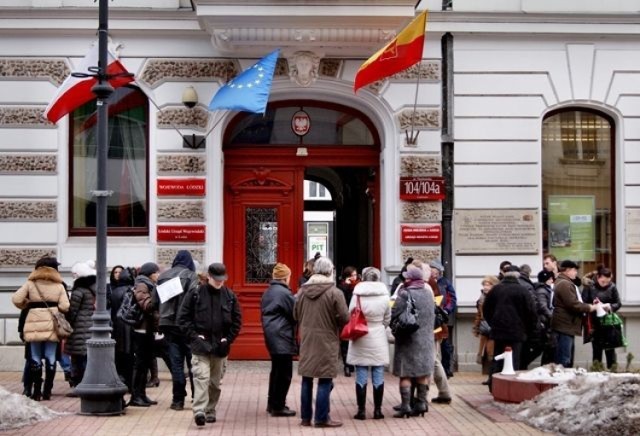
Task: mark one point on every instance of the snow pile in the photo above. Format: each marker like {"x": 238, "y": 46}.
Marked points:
{"x": 17, "y": 411}
{"x": 552, "y": 373}
{"x": 589, "y": 403}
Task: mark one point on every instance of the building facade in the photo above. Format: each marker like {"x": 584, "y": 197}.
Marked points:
{"x": 518, "y": 134}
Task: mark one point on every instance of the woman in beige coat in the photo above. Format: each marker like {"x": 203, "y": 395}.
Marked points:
{"x": 42, "y": 294}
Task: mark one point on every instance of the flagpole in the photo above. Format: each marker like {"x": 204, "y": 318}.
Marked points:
{"x": 411, "y": 140}
{"x": 101, "y": 390}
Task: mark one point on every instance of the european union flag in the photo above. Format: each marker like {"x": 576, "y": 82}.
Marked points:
{"x": 248, "y": 91}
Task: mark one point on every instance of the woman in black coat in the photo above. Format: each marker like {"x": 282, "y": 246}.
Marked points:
{"x": 82, "y": 304}
{"x": 121, "y": 332}
{"x": 605, "y": 291}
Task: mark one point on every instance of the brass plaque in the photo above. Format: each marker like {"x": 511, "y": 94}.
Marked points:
{"x": 497, "y": 231}
{"x": 633, "y": 230}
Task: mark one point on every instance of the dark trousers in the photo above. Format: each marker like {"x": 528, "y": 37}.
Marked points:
{"x": 610, "y": 354}
{"x": 279, "y": 380}
{"x": 124, "y": 367}
{"x": 530, "y": 352}
{"x": 178, "y": 352}
{"x": 143, "y": 351}
{"x": 78, "y": 366}
{"x": 447, "y": 353}
{"x": 344, "y": 349}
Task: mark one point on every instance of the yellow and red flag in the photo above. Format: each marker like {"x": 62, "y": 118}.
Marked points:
{"x": 404, "y": 51}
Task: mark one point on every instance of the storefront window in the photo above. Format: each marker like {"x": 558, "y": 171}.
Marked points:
{"x": 127, "y": 178}
{"x": 577, "y": 187}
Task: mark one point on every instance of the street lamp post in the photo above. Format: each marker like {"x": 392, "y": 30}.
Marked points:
{"x": 101, "y": 390}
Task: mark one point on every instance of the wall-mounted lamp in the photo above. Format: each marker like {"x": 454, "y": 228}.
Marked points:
{"x": 189, "y": 97}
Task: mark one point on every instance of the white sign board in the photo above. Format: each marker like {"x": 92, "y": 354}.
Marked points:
{"x": 169, "y": 289}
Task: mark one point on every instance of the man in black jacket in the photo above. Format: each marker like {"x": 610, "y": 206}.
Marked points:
{"x": 510, "y": 311}
{"x": 210, "y": 318}
{"x": 279, "y": 334}
{"x": 177, "y": 349}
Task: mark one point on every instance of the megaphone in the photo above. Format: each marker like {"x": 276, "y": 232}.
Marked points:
{"x": 507, "y": 356}
{"x": 600, "y": 312}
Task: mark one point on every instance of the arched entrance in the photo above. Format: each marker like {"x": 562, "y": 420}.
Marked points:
{"x": 265, "y": 165}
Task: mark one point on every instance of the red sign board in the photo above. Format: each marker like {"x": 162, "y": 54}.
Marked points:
{"x": 189, "y": 187}
{"x": 421, "y": 234}
{"x": 181, "y": 233}
{"x": 421, "y": 188}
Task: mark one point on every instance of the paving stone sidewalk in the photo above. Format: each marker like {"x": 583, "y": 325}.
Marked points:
{"x": 244, "y": 399}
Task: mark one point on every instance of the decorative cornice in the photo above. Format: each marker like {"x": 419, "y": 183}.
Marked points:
{"x": 180, "y": 211}
{"x": 23, "y": 257}
{"x": 54, "y": 70}
{"x": 196, "y": 118}
{"x": 181, "y": 164}
{"x": 165, "y": 255}
{"x": 420, "y": 165}
{"x": 421, "y": 211}
{"x": 422, "y": 120}
{"x": 156, "y": 71}
{"x": 28, "y": 163}
{"x": 22, "y": 211}
{"x": 11, "y": 116}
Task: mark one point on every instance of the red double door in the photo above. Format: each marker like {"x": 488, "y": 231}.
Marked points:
{"x": 263, "y": 223}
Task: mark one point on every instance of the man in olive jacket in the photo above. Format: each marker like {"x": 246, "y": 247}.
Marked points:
{"x": 210, "y": 318}
{"x": 321, "y": 312}
{"x": 568, "y": 310}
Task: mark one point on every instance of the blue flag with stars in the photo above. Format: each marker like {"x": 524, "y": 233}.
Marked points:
{"x": 248, "y": 91}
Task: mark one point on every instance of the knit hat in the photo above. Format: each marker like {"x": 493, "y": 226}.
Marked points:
{"x": 413, "y": 273}
{"x": 149, "y": 268}
{"x": 280, "y": 271}
{"x": 435, "y": 263}
{"x": 545, "y": 275}
{"x": 567, "y": 264}
{"x": 83, "y": 269}
{"x": 51, "y": 262}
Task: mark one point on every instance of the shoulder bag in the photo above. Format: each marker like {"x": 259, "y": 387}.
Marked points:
{"x": 406, "y": 322}
{"x": 60, "y": 324}
{"x": 357, "y": 326}
{"x": 130, "y": 311}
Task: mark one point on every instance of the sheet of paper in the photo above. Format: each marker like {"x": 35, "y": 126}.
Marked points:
{"x": 170, "y": 289}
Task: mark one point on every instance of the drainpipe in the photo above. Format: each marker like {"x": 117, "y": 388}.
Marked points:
{"x": 447, "y": 152}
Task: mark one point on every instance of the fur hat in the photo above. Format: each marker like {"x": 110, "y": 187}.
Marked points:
{"x": 148, "y": 268}
{"x": 83, "y": 269}
{"x": 280, "y": 271}
{"x": 413, "y": 273}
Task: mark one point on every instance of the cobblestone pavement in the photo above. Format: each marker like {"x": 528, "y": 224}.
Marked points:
{"x": 241, "y": 410}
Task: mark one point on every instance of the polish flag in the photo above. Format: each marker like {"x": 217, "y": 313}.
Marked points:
{"x": 76, "y": 91}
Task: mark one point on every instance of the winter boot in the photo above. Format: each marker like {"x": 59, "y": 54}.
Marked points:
{"x": 413, "y": 396}
{"x": 405, "y": 407}
{"x": 27, "y": 383}
{"x": 49, "y": 376}
{"x": 154, "y": 381}
{"x": 36, "y": 378}
{"x": 421, "y": 406}
{"x": 378, "y": 393}
{"x": 361, "y": 397}
{"x": 139, "y": 393}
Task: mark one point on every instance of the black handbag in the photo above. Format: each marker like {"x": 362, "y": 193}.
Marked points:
{"x": 130, "y": 311}
{"x": 406, "y": 323}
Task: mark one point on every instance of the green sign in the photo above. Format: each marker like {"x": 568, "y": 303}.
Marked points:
{"x": 572, "y": 227}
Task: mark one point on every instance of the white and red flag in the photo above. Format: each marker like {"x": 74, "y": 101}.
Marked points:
{"x": 76, "y": 91}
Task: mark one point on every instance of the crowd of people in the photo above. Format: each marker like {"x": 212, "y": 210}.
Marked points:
{"x": 195, "y": 328}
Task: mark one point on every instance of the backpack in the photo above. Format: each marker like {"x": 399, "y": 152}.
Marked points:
{"x": 130, "y": 311}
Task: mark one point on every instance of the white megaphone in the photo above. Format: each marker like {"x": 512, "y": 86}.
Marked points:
{"x": 507, "y": 368}
{"x": 600, "y": 312}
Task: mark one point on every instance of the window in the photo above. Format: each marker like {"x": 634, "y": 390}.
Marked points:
{"x": 577, "y": 187}
{"x": 127, "y": 166}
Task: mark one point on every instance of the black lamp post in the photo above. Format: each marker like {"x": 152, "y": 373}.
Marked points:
{"x": 101, "y": 390}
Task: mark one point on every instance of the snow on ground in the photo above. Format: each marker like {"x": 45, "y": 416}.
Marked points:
{"x": 17, "y": 411}
{"x": 583, "y": 403}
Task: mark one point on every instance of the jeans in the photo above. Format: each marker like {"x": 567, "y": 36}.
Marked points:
{"x": 44, "y": 350}
{"x": 325, "y": 385}
{"x": 65, "y": 362}
{"x": 447, "y": 353}
{"x": 564, "y": 347}
{"x": 178, "y": 351}
{"x": 279, "y": 380}
{"x": 377, "y": 375}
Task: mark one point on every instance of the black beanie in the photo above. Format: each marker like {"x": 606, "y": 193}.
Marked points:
{"x": 148, "y": 268}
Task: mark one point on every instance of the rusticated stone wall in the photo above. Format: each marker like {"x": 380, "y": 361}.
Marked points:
{"x": 426, "y": 254}
{"x": 421, "y": 211}
{"x": 28, "y": 211}
{"x": 15, "y": 116}
{"x": 28, "y": 163}
{"x": 196, "y": 118}
{"x": 180, "y": 211}
{"x": 416, "y": 165}
{"x": 176, "y": 164}
{"x": 11, "y": 258}
{"x": 158, "y": 70}
{"x": 165, "y": 255}
{"x": 54, "y": 70}
{"x": 421, "y": 119}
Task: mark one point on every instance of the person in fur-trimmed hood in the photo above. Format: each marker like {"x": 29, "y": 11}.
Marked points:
{"x": 321, "y": 312}
{"x": 42, "y": 294}
{"x": 83, "y": 300}
{"x": 371, "y": 350}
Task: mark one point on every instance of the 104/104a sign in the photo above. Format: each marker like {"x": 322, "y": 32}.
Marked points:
{"x": 421, "y": 188}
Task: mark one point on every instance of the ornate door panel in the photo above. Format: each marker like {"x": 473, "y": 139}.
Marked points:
{"x": 262, "y": 227}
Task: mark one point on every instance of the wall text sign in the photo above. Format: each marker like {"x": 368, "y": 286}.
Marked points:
{"x": 421, "y": 188}
{"x": 187, "y": 187}
{"x": 421, "y": 234}
{"x": 181, "y": 233}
